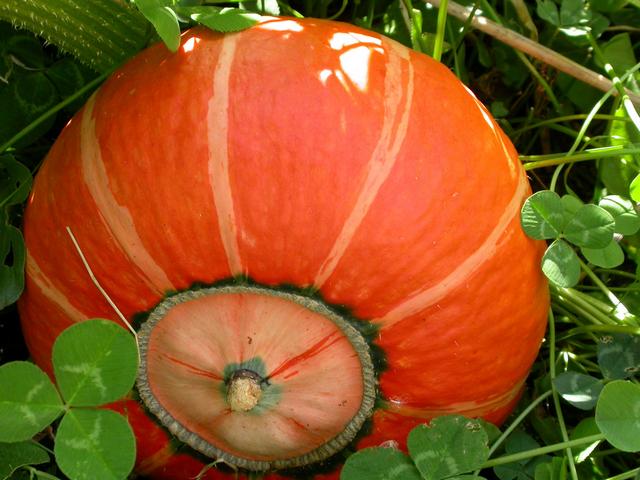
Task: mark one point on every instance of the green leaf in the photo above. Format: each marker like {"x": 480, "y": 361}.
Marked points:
{"x": 607, "y": 6}
{"x": 634, "y": 189}
{"x": 35, "y": 93}
{"x": 23, "y": 100}
{"x": 619, "y": 174}
{"x": 618, "y": 415}
{"x": 548, "y": 10}
{"x": 625, "y": 216}
{"x": 618, "y": 51}
{"x": 514, "y": 72}
{"x": 16, "y": 455}
{"x": 542, "y": 215}
{"x": 378, "y": 463}
{"x": 92, "y": 444}
{"x": 95, "y": 362}
{"x": 616, "y": 174}
{"x": 619, "y": 355}
{"x": 499, "y": 109}
{"x": 490, "y": 429}
{"x": 12, "y": 262}
{"x": 15, "y": 181}
{"x": 228, "y": 20}
{"x": 552, "y": 470}
{"x": 191, "y": 12}
{"x": 561, "y": 265}
{"x": 585, "y": 428}
{"x": 68, "y": 77}
{"x": 28, "y": 401}
{"x": 578, "y": 389}
{"x": 264, "y": 7}
{"x": 163, "y": 19}
{"x": 27, "y": 50}
{"x": 574, "y": 12}
{"x": 608, "y": 257}
{"x": 571, "y": 205}
{"x": 448, "y": 446}
{"x": 592, "y": 227}
{"x": 517, "y": 442}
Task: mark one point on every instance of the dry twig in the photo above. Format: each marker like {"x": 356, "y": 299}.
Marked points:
{"x": 535, "y": 49}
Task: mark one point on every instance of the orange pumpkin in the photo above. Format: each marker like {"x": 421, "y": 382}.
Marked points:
{"x": 318, "y": 229}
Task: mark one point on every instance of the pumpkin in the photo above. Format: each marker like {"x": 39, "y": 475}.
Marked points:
{"x": 316, "y": 231}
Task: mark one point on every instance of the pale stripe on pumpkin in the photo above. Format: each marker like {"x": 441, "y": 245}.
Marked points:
{"x": 218, "y": 130}
{"x": 117, "y": 218}
{"x": 49, "y": 290}
{"x": 486, "y": 251}
{"x": 385, "y": 154}
{"x": 157, "y": 460}
{"x": 468, "y": 409}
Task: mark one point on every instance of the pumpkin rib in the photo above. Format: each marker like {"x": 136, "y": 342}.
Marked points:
{"x": 218, "y": 143}
{"x": 48, "y": 213}
{"x": 425, "y": 298}
{"x": 117, "y": 218}
{"x": 457, "y": 360}
{"x": 384, "y": 156}
{"x": 445, "y": 150}
{"x": 41, "y": 321}
{"x": 50, "y": 292}
{"x": 274, "y": 217}
{"x": 159, "y": 151}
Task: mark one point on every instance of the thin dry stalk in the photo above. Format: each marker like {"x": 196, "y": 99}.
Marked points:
{"x": 99, "y": 287}
{"x": 536, "y": 50}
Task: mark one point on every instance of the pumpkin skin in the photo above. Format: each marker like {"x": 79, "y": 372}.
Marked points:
{"x": 308, "y": 153}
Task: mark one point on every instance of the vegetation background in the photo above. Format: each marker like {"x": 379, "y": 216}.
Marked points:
{"x": 580, "y": 416}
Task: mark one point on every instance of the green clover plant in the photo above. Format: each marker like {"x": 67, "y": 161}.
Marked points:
{"x": 95, "y": 363}
{"x": 594, "y": 230}
{"x": 454, "y": 447}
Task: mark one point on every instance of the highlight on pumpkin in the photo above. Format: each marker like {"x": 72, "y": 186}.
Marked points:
{"x": 290, "y": 240}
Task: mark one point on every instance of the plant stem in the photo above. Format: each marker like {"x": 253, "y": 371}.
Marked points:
{"x": 596, "y": 108}
{"x": 465, "y": 27}
{"x": 567, "y": 118}
{"x": 602, "y": 329}
{"x": 99, "y": 33}
{"x": 457, "y": 67}
{"x": 556, "y": 398}
{"x": 618, "y": 307}
{"x": 289, "y": 10}
{"x": 539, "y": 161}
{"x": 515, "y": 423}
{"x": 626, "y": 475}
{"x": 617, "y": 83}
{"x": 414, "y": 25}
{"x": 341, "y": 11}
{"x": 536, "y": 50}
{"x": 39, "y": 473}
{"x": 532, "y": 69}
{"x": 442, "y": 22}
{"x": 574, "y": 299}
{"x": 516, "y": 457}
